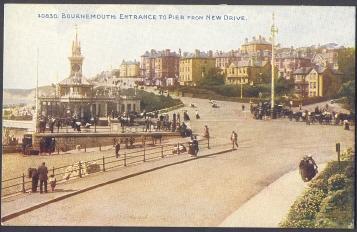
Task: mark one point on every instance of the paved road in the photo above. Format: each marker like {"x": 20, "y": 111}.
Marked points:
{"x": 206, "y": 191}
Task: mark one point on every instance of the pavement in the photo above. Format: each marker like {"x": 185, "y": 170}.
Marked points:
{"x": 270, "y": 205}
{"x": 15, "y": 205}
{"x": 199, "y": 192}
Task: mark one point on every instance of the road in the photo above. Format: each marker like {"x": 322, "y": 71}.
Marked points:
{"x": 203, "y": 192}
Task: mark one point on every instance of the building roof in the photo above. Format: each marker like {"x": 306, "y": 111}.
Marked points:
{"x": 154, "y": 54}
{"x": 259, "y": 40}
{"x": 75, "y": 80}
{"x": 129, "y": 62}
{"x": 318, "y": 69}
{"x": 232, "y": 53}
{"x": 302, "y": 71}
{"x": 248, "y": 63}
{"x": 198, "y": 54}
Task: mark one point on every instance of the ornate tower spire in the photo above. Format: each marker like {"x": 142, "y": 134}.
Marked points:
{"x": 76, "y": 58}
{"x": 76, "y": 46}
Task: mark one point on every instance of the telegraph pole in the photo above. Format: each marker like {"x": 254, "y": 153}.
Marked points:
{"x": 274, "y": 31}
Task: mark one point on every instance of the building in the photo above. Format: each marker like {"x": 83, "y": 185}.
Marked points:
{"x": 224, "y": 59}
{"x": 195, "y": 66}
{"x": 317, "y": 82}
{"x": 289, "y": 60}
{"x": 255, "y": 45}
{"x": 326, "y": 59}
{"x": 166, "y": 68}
{"x": 147, "y": 66}
{"x": 160, "y": 68}
{"x": 248, "y": 72}
{"x": 76, "y": 97}
{"x": 129, "y": 74}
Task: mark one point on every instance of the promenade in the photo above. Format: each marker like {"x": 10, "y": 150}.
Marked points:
{"x": 198, "y": 192}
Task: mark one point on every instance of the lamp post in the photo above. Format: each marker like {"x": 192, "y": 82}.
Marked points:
{"x": 274, "y": 31}
{"x": 241, "y": 89}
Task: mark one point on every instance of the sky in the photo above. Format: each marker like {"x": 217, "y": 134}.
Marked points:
{"x": 106, "y": 42}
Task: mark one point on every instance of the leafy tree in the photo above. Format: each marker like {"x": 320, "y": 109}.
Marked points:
{"x": 213, "y": 77}
{"x": 346, "y": 63}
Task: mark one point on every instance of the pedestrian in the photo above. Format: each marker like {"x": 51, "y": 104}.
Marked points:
{"x": 117, "y": 149}
{"x": 58, "y": 124}
{"x": 147, "y": 125}
{"x": 195, "y": 145}
{"x": 197, "y": 115}
{"x": 243, "y": 107}
{"x": 234, "y": 138}
{"x": 42, "y": 174}
{"x": 52, "y": 181}
{"x": 34, "y": 179}
{"x": 206, "y": 132}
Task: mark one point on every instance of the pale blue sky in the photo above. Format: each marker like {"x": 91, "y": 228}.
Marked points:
{"x": 105, "y": 43}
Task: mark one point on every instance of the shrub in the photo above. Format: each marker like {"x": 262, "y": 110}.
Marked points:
{"x": 320, "y": 184}
{"x": 350, "y": 171}
{"x": 336, "y": 210}
{"x": 347, "y": 155}
{"x": 304, "y": 210}
{"x": 336, "y": 182}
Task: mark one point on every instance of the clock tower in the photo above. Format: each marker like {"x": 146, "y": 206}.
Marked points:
{"x": 76, "y": 60}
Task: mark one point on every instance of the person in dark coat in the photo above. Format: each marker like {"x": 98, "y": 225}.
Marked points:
{"x": 117, "y": 149}
{"x": 34, "y": 176}
{"x": 42, "y": 174}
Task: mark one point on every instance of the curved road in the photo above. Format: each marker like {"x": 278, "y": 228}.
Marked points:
{"x": 205, "y": 191}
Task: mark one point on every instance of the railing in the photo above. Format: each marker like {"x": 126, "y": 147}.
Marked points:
{"x": 137, "y": 125}
{"x": 82, "y": 168}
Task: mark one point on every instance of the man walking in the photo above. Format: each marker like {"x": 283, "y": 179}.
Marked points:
{"x": 34, "y": 176}
{"x": 117, "y": 149}
{"x": 42, "y": 174}
{"x": 234, "y": 138}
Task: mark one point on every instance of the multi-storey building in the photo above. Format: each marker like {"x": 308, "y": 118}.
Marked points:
{"x": 160, "y": 67}
{"x": 255, "y": 45}
{"x": 147, "y": 66}
{"x": 327, "y": 58}
{"x": 129, "y": 74}
{"x": 195, "y": 66}
{"x": 224, "y": 59}
{"x": 288, "y": 60}
{"x": 248, "y": 71}
{"x": 317, "y": 81}
{"x": 129, "y": 69}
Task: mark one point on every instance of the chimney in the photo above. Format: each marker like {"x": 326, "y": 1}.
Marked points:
{"x": 197, "y": 52}
{"x": 246, "y": 40}
{"x": 180, "y": 51}
{"x": 210, "y": 53}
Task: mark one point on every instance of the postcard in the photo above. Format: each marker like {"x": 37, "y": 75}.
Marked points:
{"x": 178, "y": 116}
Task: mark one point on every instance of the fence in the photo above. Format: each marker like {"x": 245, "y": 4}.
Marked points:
{"x": 103, "y": 164}
{"x": 113, "y": 126}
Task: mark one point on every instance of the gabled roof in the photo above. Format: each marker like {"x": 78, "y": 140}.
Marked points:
{"x": 302, "y": 71}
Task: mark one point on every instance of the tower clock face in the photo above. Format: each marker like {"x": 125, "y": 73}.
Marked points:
{"x": 76, "y": 67}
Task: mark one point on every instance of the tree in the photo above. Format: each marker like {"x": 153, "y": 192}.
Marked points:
{"x": 348, "y": 90}
{"x": 213, "y": 77}
{"x": 346, "y": 63}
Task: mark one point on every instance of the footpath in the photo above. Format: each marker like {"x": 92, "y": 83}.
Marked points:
{"x": 13, "y": 206}
{"x": 269, "y": 207}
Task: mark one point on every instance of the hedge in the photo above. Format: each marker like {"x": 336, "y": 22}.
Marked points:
{"x": 328, "y": 202}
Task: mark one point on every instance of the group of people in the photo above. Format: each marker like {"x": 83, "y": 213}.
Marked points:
{"x": 41, "y": 175}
